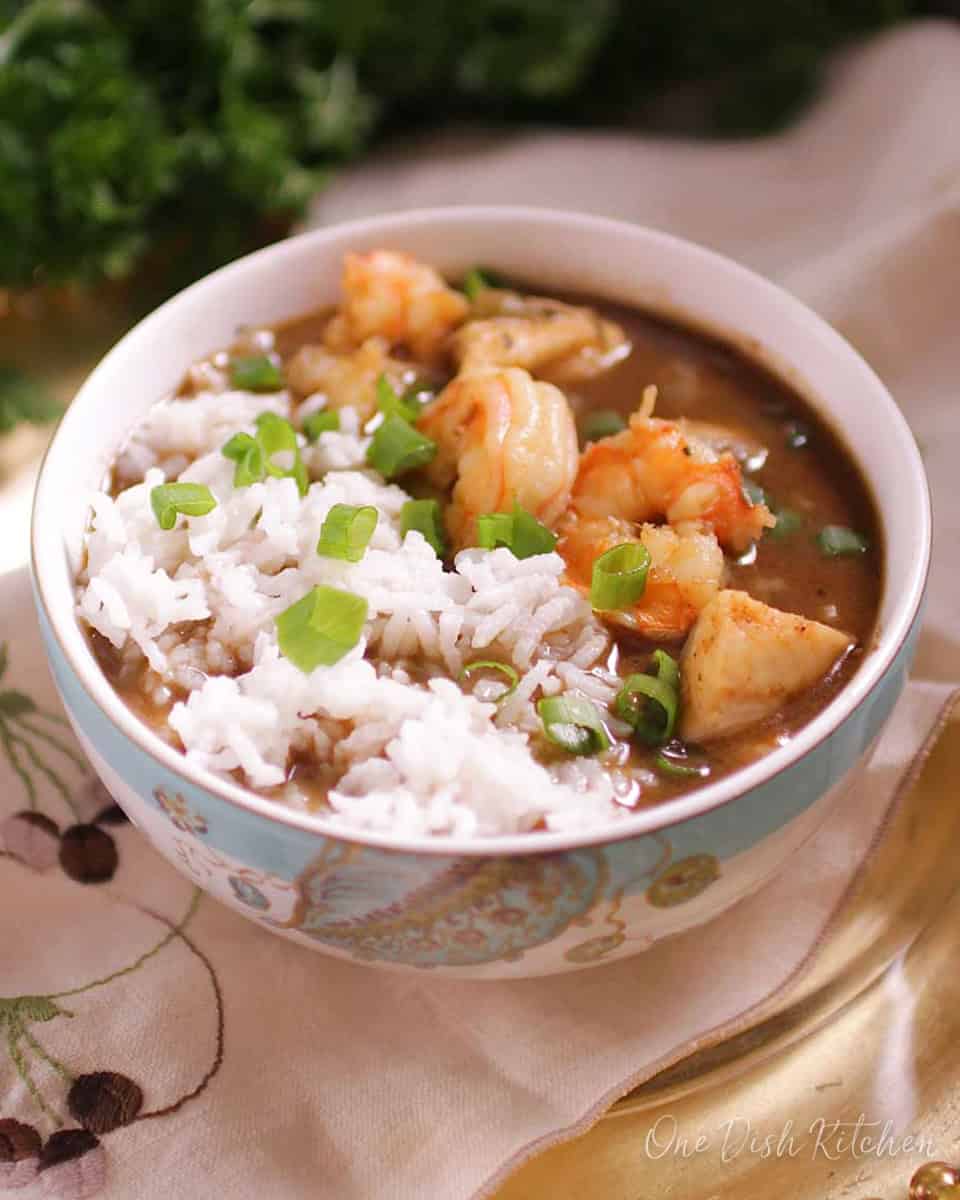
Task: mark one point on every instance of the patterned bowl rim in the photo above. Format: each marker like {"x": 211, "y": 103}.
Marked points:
{"x": 48, "y": 551}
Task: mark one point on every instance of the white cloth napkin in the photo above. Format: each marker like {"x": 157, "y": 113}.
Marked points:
{"x": 266, "y": 1070}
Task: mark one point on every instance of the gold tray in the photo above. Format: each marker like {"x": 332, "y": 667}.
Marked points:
{"x": 845, "y": 1092}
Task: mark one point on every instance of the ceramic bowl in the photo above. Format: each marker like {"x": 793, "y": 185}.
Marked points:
{"x": 508, "y": 906}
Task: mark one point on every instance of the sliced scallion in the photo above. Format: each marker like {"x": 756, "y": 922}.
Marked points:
{"x": 649, "y": 704}
{"x": 837, "y": 541}
{"x": 478, "y": 280}
{"x": 346, "y": 532}
{"x": 326, "y": 420}
{"x": 619, "y": 577}
{"x": 530, "y": 537}
{"x": 490, "y": 664}
{"x": 753, "y": 491}
{"x": 605, "y": 422}
{"x": 247, "y": 453}
{"x": 574, "y": 724}
{"x": 396, "y": 448}
{"x": 321, "y": 627}
{"x": 277, "y": 436}
{"x": 424, "y": 517}
{"x": 256, "y": 374}
{"x": 680, "y": 769}
{"x": 668, "y": 669}
{"x": 519, "y": 531}
{"x": 494, "y": 529}
{"x": 389, "y": 401}
{"x": 169, "y": 499}
{"x": 788, "y": 522}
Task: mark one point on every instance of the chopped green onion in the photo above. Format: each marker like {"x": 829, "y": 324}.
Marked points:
{"x": 495, "y": 529}
{"x": 668, "y": 669}
{"x": 276, "y": 436}
{"x": 490, "y": 664}
{"x": 397, "y": 448}
{"x": 346, "y": 532}
{"x": 321, "y": 627}
{"x": 420, "y": 393}
{"x": 788, "y": 522}
{"x": 256, "y": 374}
{"x": 648, "y": 703}
{"x": 573, "y": 723}
{"x": 389, "y": 402}
{"x": 619, "y": 576}
{"x": 680, "y": 769}
{"x": 477, "y": 280}
{"x": 519, "y": 531}
{"x": 753, "y": 491}
{"x": 605, "y": 422}
{"x": 326, "y": 420}
{"x": 424, "y": 517}
{"x": 191, "y": 499}
{"x": 798, "y": 435}
{"x": 837, "y": 540}
{"x": 247, "y": 453}
{"x": 529, "y": 536}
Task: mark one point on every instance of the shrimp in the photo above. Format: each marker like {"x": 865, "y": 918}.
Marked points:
{"x": 653, "y": 470}
{"x": 391, "y": 295}
{"x": 347, "y": 380}
{"x": 502, "y": 438}
{"x": 560, "y": 342}
{"x": 749, "y": 451}
{"x": 685, "y": 573}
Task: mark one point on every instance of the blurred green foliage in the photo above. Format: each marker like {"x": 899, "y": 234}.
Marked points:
{"x": 184, "y": 131}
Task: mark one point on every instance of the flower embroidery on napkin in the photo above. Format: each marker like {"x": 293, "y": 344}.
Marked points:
{"x": 60, "y": 1141}
{"x": 35, "y": 749}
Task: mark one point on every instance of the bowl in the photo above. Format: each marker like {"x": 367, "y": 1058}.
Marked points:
{"x": 508, "y": 906}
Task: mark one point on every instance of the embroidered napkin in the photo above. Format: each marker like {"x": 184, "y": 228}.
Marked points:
{"x": 154, "y": 1044}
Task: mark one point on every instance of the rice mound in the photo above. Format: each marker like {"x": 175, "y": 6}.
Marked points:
{"x": 402, "y": 747}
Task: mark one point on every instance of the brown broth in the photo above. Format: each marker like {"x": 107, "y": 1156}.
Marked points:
{"x": 702, "y": 378}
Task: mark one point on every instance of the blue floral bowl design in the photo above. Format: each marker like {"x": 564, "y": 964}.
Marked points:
{"x": 510, "y": 906}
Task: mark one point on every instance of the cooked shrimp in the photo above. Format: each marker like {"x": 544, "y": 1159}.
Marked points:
{"x": 502, "y": 438}
{"x": 748, "y": 450}
{"x": 686, "y": 571}
{"x": 347, "y": 380}
{"x": 654, "y": 470}
{"x": 744, "y": 660}
{"x": 560, "y": 342}
{"x": 391, "y": 295}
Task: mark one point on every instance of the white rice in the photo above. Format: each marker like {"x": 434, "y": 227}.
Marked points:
{"x": 404, "y": 747}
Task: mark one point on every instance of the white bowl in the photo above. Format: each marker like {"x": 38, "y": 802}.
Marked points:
{"x": 510, "y": 905}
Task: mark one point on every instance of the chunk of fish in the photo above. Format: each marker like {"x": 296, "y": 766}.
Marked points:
{"x": 744, "y": 660}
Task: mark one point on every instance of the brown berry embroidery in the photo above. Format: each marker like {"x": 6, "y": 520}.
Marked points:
{"x": 104, "y": 1100}
{"x": 19, "y": 1154}
{"x": 33, "y": 750}
{"x": 73, "y": 1164}
{"x": 88, "y": 854}
{"x": 31, "y": 838}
